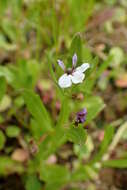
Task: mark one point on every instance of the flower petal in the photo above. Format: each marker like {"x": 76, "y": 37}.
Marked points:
{"x": 61, "y": 64}
{"x": 74, "y": 60}
{"x": 83, "y": 67}
{"x": 77, "y": 77}
{"x": 65, "y": 81}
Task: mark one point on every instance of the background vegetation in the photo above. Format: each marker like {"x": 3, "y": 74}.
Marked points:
{"x": 40, "y": 148}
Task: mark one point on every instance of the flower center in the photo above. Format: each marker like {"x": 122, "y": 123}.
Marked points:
{"x": 69, "y": 71}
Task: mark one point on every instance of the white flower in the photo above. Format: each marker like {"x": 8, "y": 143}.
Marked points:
{"x": 72, "y": 75}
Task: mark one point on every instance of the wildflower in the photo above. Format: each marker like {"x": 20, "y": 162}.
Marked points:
{"x": 81, "y": 116}
{"x": 72, "y": 75}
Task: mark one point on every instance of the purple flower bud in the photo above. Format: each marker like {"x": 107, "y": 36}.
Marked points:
{"x": 81, "y": 116}
{"x": 74, "y": 60}
{"x": 61, "y": 64}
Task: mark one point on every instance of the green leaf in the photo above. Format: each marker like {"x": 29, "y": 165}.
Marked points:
{"x": 91, "y": 76}
{"x": 27, "y": 73}
{"x": 2, "y": 87}
{"x": 2, "y": 140}
{"x": 109, "y": 132}
{"x": 79, "y": 174}
{"x": 94, "y": 105}
{"x": 3, "y": 6}
{"x": 32, "y": 183}
{"x": 5, "y": 103}
{"x": 52, "y": 142}
{"x": 9, "y": 29}
{"x": 36, "y": 129}
{"x": 91, "y": 172}
{"x": 78, "y": 17}
{"x": 103, "y": 66}
{"x": 77, "y": 135}
{"x": 95, "y": 72}
{"x": 5, "y": 72}
{"x": 5, "y": 45}
{"x": 49, "y": 58}
{"x": 53, "y": 186}
{"x": 8, "y": 166}
{"x": 12, "y": 131}
{"x": 64, "y": 113}
{"x": 54, "y": 174}
{"x": 120, "y": 163}
{"x": 117, "y": 56}
{"x": 83, "y": 173}
{"x": 38, "y": 110}
{"x": 34, "y": 71}
{"x": 84, "y": 151}
{"x": 1, "y": 119}
{"x": 76, "y": 47}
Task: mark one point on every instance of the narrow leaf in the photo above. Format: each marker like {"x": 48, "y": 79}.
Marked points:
{"x": 120, "y": 163}
{"x": 76, "y": 47}
{"x": 2, "y": 87}
{"x": 37, "y": 109}
{"x": 64, "y": 113}
{"x": 109, "y": 132}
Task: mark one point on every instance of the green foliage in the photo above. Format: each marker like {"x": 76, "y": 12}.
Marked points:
{"x": 64, "y": 113}
{"x": 119, "y": 163}
{"x": 95, "y": 72}
{"x": 94, "y": 105}
{"x": 37, "y": 110}
{"x": 2, "y": 87}
{"x": 12, "y": 131}
{"x": 84, "y": 150}
{"x": 77, "y": 135}
{"x": 117, "y": 56}
{"x": 36, "y": 115}
{"x": 5, "y": 72}
{"x": 5, "y": 45}
{"x": 8, "y": 166}
{"x": 76, "y": 47}
{"x": 109, "y": 132}
{"x": 54, "y": 173}
{"x": 52, "y": 143}
{"x": 3, "y": 5}
{"x": 32, "y": 183}
{"x": 2, "y": 140}
{"x": 79, "y": 174}
{"x": 5, "y": 103}
{"x": 9, "y": 29}
{"x": 27, "y": 74}
{"x": 55, "y": 176}
{"x": 83, "y": 173}
{"x": 75, "y": 15}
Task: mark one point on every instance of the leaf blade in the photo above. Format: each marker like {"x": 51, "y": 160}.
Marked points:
{"x": 37, "y": 109}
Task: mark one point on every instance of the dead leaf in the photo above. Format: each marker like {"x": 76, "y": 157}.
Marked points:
{"x": 20, "y": 155}
{"x": 122, "y": 81}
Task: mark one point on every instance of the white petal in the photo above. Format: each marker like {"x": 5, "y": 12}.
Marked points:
{"x": 65, "y": 81}
{"x": 83, "y": 67}
{"x": 77, "y": 77}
